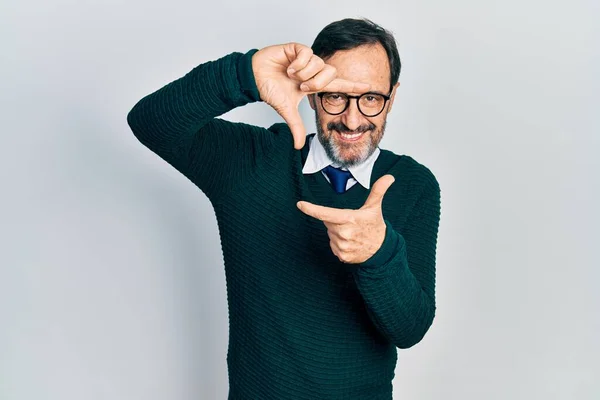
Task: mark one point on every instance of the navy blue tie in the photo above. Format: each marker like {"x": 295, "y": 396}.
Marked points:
{"x": 338, "y": 177}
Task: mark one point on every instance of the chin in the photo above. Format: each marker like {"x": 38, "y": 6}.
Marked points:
{"x": 351, "y": 158}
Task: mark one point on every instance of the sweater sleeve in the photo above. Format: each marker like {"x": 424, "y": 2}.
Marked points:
{"x": 398, "y": 282}
{"x": 179, "y": 123}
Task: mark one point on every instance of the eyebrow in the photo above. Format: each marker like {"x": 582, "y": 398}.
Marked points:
{"x": 376, "y": 92}
{"x": 360, "y": 94}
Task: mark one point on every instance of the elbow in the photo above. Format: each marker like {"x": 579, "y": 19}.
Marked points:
{"x": 140, "y": 125}
{"x": 413, "y": 336}
{"x": 134, "y": 120}
{"x": 408, "y": 342}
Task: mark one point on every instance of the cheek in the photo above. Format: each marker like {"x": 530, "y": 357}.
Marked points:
{"x": 379, "y": 122}
{"x": 324, "y": 119}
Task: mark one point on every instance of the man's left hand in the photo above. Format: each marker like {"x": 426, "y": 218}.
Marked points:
{"x": 354, "y": 235}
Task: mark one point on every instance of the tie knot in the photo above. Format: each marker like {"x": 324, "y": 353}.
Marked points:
{"x": 337, "y": 177}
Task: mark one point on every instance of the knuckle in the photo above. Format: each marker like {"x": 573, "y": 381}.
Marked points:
{"x": 344, "y": 245}
{"x": 328, "y": 68}
{"x": 345, "y": 257}
{"x": 334, "y": 248}
{"x": 345, "y": 234}
{"x": 307, "y": 51}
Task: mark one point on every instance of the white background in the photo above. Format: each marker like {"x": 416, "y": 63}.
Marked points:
{"x": 111, "y": 277}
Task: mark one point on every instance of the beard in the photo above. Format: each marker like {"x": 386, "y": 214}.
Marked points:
{"x": 348, "y": 155}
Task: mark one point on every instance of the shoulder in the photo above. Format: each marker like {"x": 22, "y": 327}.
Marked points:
{"x": 413, "y": 175}
{"x": 285, "y": 140}
{"x": 282, "y": 130}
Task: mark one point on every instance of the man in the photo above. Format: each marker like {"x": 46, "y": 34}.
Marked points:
{"x": 329, "y": 266}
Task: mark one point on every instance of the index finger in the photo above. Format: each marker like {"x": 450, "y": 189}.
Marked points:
{"x": 346, "y": 86}
{"x": 325, "y": 214}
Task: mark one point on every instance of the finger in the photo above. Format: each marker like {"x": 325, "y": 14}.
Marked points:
{"x": 298, "y": 55}
{"x": 338, "y": 85}
{"x": 325, "y": 214}
{"x": 313, "y": 67}
{"x": 335, "y": 249}
{"x": 292, "y": 117}
{"x": 378, "y": 191}
{"x": 319, "y": 79}
{"x": 334, "y": 231}
{"x": 342, "y": 255}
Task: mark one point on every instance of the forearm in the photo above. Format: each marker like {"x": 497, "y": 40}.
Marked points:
{"x": 167, "y": 120}
{"x": 396, "y": 301}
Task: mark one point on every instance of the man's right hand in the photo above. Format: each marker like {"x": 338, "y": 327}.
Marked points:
{"x": 286, "y": 73}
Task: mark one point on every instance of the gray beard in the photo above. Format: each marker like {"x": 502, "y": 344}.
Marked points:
{"x": 333, "y": 151}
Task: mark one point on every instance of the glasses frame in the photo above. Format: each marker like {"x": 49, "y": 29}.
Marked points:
{"x": 385, "y": 97}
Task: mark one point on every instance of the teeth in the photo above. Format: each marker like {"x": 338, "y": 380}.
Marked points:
{"x": 350, "y": 136}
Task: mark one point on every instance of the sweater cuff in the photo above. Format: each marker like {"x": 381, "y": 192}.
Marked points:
{"x": 246, "y": 76}
{"x": 392, "y": 243}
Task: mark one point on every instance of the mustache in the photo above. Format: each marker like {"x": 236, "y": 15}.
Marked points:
{"x": 340, "y": 127}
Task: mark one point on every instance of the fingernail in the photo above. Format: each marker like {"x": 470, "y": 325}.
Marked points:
{"x": 291, "y": 71}
{"x": 304, "y": 87}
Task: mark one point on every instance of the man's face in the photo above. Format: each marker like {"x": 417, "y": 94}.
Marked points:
{"x": 350, "y": 138}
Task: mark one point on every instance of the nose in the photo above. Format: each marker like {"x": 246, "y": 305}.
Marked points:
{"x": 352, "y": 117}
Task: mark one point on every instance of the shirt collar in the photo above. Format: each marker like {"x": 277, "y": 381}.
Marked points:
{"x": 317, "y": 159}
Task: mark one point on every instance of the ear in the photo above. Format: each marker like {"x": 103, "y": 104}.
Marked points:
{"x": 312, "y": 101}
{"x": 392, "y": 97}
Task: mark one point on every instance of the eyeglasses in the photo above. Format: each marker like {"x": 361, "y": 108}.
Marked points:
{"x": 369, "y": 104}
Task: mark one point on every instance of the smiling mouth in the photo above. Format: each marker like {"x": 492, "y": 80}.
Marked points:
{"x": 350, "y": 137}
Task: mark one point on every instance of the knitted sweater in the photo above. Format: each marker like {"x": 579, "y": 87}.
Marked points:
{"x": 302, "y": 324}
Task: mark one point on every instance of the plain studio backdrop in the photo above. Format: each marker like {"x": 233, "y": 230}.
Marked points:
{"x": 111, "y": 279}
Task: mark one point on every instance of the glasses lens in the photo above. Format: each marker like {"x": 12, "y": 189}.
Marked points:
{"x": 334, "y": 103}
{"x": 371, "y": 104}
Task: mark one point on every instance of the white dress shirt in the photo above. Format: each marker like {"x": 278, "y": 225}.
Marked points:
{"x": 317, "y": 159}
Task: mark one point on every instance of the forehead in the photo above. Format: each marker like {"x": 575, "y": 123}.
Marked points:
{"x": 366, "y": 63}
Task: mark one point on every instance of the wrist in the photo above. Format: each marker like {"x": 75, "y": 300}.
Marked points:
{"x": 391, "y": 241}
{"x": 245, "y": 74}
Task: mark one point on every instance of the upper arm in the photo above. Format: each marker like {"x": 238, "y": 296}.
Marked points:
{"x": 223, "y": 155}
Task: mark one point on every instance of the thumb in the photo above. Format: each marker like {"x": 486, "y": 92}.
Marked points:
{"x": 294, "y": 121}
{"x": 378, "y": 191}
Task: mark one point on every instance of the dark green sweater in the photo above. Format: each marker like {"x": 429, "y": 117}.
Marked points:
{"x": 302, "y": 325}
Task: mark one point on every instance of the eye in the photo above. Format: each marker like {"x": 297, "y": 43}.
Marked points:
{"x": 372, "y": 98}
{"x": 335, "y": 98}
